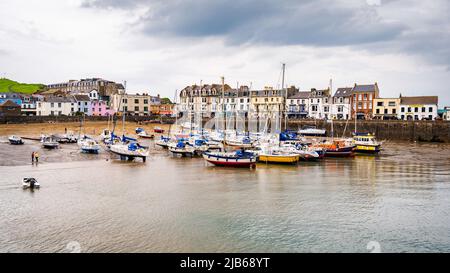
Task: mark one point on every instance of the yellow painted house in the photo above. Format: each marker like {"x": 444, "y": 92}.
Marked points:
{"x": 386, "y": 108}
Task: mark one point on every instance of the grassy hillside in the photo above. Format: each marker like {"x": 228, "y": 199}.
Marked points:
{"x": 12, "y": 86}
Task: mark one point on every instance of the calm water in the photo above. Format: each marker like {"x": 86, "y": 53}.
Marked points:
{"x": 400, "y": 199}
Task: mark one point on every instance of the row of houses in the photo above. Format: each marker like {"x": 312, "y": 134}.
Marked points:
{"x": 91, "y": 97}
{"x": 359, "y": 101}
{"x": 87, "y": 104}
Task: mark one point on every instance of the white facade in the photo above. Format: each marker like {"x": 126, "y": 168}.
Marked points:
{"x": 341, "y": 108}
{"x": 56, "y": 107}
{"x": 418, "y": 111}
{"x": 320, "y": 103}
{"x": 93, "y": 95}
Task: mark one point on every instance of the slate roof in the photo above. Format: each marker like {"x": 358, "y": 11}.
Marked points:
{"x": 364, "y": 88}
{"x": 343, "y": 92}
{"x": 300, "y": 95}
{"x": 419, "y": 100}
{"x": 59, "y": 99}
{"x": 81, "y": 97}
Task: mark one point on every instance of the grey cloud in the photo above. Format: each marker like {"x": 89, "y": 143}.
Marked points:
{"x": 294, "y": 22}
{"x": 307, "y": 22}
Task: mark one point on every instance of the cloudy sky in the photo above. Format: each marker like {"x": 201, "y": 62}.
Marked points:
{"x": 164, "y": 45}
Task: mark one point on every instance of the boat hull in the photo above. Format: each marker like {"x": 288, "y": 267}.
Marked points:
{"x": 340, "y": 152}
{"x": 230, "y": 162}
{"x": 50, "y": 146}
{"x": 367, "y": 149}
{"x": 16, "y": 142}
{"x": 278, "y": 159}
{"x": 90, "y": 150}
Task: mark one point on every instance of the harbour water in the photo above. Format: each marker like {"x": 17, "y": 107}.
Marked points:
{"x": 400, "y": 200}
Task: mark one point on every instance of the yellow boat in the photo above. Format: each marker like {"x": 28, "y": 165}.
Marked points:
{"x": 366, "y": 143}
{"x": 279, "y": 158}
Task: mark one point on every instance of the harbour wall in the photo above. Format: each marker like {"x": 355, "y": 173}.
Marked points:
{"x": 428, "y": 131}
{"x": 62, "y": 119}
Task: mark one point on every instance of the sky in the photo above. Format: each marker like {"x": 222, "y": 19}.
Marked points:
{"x": 160, "y": 46}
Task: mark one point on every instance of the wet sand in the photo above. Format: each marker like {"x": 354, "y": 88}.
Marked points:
{"x": 93, "y": 128}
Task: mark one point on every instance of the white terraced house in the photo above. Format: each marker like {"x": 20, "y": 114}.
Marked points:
{"x": 320, "y": 102}
{"x": 418, "y": 108}
{"x": 341, "y": 108}
{"x": 57, "y": 106}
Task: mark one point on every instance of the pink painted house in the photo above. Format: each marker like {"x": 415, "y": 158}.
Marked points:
{"x": 100, "y": 108}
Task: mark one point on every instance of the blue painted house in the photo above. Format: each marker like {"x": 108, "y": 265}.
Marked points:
{"x": 14, "y": 97}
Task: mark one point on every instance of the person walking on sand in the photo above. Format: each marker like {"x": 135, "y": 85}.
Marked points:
{"x": 36, "y": 156}
{"x": 32, "y": 157}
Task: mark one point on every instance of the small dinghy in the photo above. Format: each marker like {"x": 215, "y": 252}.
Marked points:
{"x": 30, "y": 183}
{"x": 143, "y": 134}
{"x": 158, "y": 130}
{"x": 15, "y": 140}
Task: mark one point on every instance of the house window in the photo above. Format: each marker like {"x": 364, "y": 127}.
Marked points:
{"x": 385, "y": 111}
{"x": 125, "y": 100}
{"x": 403, "y": 109}
{"x": 52, "y": 105}
{"x": 145, "y": 101}
{"x": 423, "y": 109}
{"x": 394, "y": 111}
{"x": 430, "y": 117}
{"x": 360, "y": 97}
{"x": 365, "y": 96}
{"x": 136, "y": 100}
{"x": 416, "y": 109}
{"x": 380, "y": 103}
{"x": 136, "y": 108}
{"x": 392, "y": 103}
{"x": 145, "y": 108}
{"x": 378, "y": 111}
{"x": 430, "y": 109}
{"x": 409, "y": 109}
{"x": 365, "y": 105}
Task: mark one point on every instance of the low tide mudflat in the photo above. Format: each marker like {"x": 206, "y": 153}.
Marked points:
{"x": 400, "y": 199}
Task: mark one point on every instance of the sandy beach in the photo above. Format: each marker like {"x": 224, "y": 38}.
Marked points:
{"x": 93, "y": 128}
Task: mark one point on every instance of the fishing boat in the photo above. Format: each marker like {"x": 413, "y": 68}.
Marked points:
{"x": 239, "y": 159}
{"x": 158, "y": 130}
{"x": 312, "y": 131}
{"x": 30, "y": 183}
{"x": 88, "y": 145}
{"x": 337, "y": 148}
{"x": 15, "y": 140}
{"x": 366, "y": 143}
{"x": 181, "y": 147}
{"x": 49, "y": 142}
{"x": 129, "y": 150}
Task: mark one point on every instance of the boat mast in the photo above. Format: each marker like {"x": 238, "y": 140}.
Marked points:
{"x": 123, "y": 110}
{"x": 285, "y": 95}
{"x": 224, "y": 112}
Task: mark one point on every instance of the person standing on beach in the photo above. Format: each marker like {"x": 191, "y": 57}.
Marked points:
{"x": 36, "y": 156}
{"x": 32, "y": 157}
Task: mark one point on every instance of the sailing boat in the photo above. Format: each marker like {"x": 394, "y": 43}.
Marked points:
{"x": 86, "y": 143}
{"x": 239, "y": 158}
{"x": 127, "y": 148}
{"x": 278, "y": 154}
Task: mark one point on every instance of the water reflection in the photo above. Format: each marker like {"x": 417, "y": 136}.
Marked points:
{"x": 181, "y": 205}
